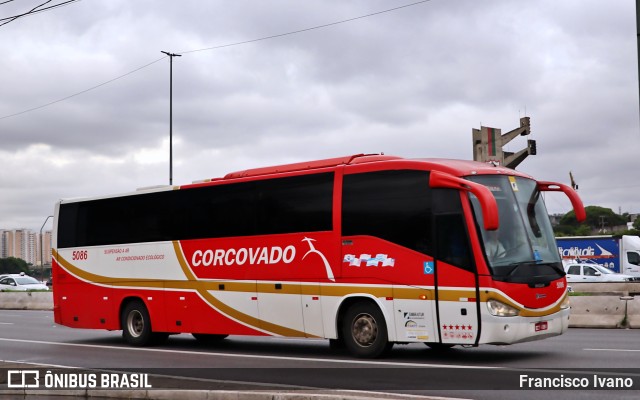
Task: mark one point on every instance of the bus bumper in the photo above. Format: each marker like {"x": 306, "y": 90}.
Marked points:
{"x": 510, "y": 330}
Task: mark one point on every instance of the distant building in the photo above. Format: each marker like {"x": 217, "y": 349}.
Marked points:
{"x": 25, "y": 244}
{"x": 46, "y": 248}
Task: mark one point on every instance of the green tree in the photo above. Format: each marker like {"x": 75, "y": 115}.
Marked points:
{"x": 12, "y": 265}
{"x": 596, "y": 216}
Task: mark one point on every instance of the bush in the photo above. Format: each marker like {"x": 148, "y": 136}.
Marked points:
{"x": 12, "y": 265}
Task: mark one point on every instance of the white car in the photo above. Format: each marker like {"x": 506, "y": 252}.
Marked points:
{"x": 20, "y": 283}
{"x": 586, "y": 272}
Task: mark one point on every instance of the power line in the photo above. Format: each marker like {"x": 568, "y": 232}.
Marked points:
{"x": 27, "y": 13}
{"x": 84, "y": 91}
{"x": 35, "y": 10}
{"x": 213, "y": 48}
{"x": 306, "y": 29}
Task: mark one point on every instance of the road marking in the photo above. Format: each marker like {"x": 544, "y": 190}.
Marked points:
{"x": 612, "y": 349}
{"x": 6, "y": 323}
{"x": 325, "y": 360}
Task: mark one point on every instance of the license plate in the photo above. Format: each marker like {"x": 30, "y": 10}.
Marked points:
{"x": 541, "y": 326}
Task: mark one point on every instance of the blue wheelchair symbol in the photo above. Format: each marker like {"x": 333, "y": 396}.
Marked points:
{"x": 428, "y": 268}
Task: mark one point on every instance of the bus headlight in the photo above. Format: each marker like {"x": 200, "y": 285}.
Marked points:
{"x": 565, "y": 303}
{"x": 499, "y": 309}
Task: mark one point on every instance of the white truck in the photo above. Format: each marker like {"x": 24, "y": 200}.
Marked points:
{"x": 618, "y": 253}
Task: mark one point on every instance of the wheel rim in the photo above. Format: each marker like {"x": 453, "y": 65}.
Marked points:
{"x": 135, "y": 323}
{"x": 364, "y": 330}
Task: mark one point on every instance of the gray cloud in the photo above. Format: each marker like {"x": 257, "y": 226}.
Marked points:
{"x": 412, "y": 82}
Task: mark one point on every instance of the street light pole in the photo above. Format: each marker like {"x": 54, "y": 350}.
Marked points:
{"x": 171, "y": 55}
{"x": 42, "y": 249}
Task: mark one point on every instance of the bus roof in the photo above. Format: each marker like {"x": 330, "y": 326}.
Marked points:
{"x": 451, "y": 166}
{"x": 468, "y": 167}
{"x": 454, "y": 167}
{"x": 309, "y": 165}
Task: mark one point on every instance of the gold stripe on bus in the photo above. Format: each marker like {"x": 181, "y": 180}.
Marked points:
{"x": 201, "y": 287}
{"x": 414, "y": 293}
{"x": 456, "y": 294}
{"x": 230, "y": 311}
{"x": 91, "y": 277}
{"x": 249, "y": 320}
{"x": 486, "y": 295}
{"x": 183, "y": 263}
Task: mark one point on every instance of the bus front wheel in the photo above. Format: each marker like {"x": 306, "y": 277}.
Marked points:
{"x": 364, "y": 331}
{"x": 136, "y": 324}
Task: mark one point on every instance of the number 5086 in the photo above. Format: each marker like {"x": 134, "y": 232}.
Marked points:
{"x": 79, "y": 255}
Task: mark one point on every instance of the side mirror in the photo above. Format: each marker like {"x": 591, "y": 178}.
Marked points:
{"x": 576, "y": 203}
{"x": 487, "y": 201}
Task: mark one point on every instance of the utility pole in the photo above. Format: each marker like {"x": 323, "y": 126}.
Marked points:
{"x": 42, "y": 250}
{"x": 638, "y": 37}
{"x": 602, "y": 223}
{"x": 171, "y": 55}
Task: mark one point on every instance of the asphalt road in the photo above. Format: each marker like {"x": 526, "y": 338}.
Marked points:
{"x": 580, "y": 357}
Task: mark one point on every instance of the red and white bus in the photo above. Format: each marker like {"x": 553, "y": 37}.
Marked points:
{"x": 365, "y": 250}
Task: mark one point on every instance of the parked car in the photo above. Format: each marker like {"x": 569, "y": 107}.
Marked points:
{"x": 588, "y": 272}
{"x": 20, "y": 283}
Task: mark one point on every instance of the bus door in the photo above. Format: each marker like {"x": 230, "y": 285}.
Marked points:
{"x": 456, "y": 280}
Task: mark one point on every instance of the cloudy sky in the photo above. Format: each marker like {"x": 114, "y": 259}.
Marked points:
{"x": 412, "y": 82}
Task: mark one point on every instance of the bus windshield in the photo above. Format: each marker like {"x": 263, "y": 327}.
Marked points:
{"x": 523, "y": 248}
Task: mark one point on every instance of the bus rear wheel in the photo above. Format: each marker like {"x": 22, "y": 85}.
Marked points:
{"x": 364, "y": 331}
{"x": 136, "y": 324}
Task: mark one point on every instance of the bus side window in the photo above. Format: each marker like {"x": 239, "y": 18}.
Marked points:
{"x": 453, "y": 246}
{"x": 295, "y": 204}
{"x": 215, "y": 211}
{"x": 450, "y": 229}
{"x": 391, "y": 205}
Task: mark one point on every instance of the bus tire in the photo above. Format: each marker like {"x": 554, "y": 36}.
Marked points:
{"x": 136, "y": 324}
{"x": 208, "y": 338}
{"x": 364, "y": 331}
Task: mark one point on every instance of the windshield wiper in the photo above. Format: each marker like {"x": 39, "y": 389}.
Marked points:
{"x": 514, "y": 266}
{"x": 529, "y": 276}
{"x": 556, "y": 268}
